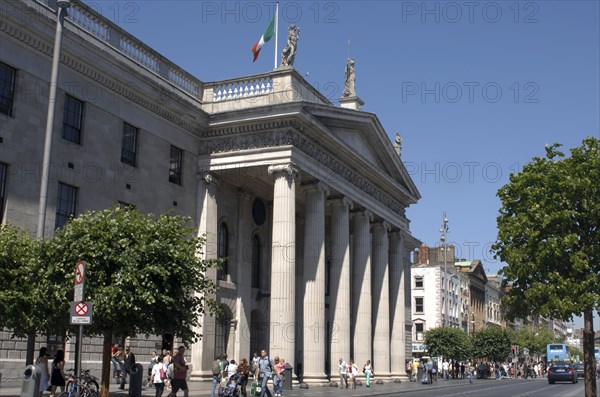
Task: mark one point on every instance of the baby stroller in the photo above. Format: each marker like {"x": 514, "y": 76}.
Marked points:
{"x": 231, "y": 388}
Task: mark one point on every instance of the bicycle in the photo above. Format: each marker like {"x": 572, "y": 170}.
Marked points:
{"x": 73, "y": 383}
{"x": 90, "y": 381}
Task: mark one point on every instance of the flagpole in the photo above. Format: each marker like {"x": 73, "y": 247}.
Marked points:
{"x": 276, "y": 31}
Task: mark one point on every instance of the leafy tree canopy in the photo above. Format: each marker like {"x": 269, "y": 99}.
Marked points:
{"x": 535, "y": 340}
{"x": 142, "y": 274}
{"x": 451, "y": 343}
{"x": 493, "y": 342}
{"x": 549, "y": 236}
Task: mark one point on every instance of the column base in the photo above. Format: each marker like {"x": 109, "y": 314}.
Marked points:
{"x": 398, "y": 378}
{"x": 315, "y": 379}
{"x": 201, "y": 376}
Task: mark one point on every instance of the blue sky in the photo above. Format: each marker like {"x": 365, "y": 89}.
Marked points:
{"x": 476, "y": 88}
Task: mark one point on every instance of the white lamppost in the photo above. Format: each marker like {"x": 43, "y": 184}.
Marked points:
{"x": 444, "y": 230}
{"x": 60, "y": 14}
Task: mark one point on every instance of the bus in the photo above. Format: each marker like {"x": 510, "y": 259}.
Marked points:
{"x": 557, "y": 352}
{"x": 597, "y": 354}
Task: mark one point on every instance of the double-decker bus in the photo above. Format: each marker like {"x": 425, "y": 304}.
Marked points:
{"x": 557, "y": 352}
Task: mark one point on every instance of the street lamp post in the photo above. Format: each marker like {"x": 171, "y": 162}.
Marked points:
{"x": 473, "y": 323}
{"x": 62, "y": 5}
{"x": 444, "y": 230}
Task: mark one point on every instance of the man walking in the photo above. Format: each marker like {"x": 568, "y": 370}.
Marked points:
{"x": 179, "y": 374}
{"x": 265, "y": 367}
{"x": 343, "y": 368}
{"x": 129, "y": 363}
{"x": 445, "y": 367}
{"x": 216, "y": 372}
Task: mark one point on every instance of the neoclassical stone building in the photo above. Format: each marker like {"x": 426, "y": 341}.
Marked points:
{"x": 305, "y": 199}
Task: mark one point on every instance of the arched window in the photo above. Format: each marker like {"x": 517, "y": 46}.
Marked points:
{"x": 223, "y": 250}
{"x": 256, "y": 259}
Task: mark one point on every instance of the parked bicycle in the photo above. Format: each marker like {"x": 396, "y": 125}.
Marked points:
{"x": 84, "y": 390}
{"x": 88, "y": 380}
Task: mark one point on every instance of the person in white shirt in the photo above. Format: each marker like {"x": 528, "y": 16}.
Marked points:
{"x": 343, "y": 368}
{"x": 231, "y": 369}
{"x": 445, "y": 367}
{"x": 158, "y": 376}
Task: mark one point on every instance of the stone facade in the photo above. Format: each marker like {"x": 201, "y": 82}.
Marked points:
{"x": 306, "y": 199}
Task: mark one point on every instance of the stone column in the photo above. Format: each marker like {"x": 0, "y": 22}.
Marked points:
{"x": 397, "y": 342}
{"x": 244, "y": 266}
{"x": 361, "y": 288}
{"x": 314, "y": 279}
{"x": 407, "y": 287}
{"x": 283, "y": 262}
{"x": 381, "y": 301}
{"x": 339, "y": 280}
{"x": 203, "y": 352}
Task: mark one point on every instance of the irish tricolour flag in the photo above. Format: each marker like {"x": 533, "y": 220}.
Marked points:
{"x": 266, "y": 36}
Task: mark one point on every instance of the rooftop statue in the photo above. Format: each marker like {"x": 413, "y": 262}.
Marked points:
{"x": 289, "y": 52}
{"x": 398, "y": 144}
{"x": 349, "y": 85}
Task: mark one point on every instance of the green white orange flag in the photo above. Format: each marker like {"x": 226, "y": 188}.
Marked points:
{"x": 266, "y": 36}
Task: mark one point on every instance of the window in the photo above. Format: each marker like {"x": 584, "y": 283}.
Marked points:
{"x": 419, "y": 331}
{"x": 72, "y": 119}
{"x": 3, "y": 172}
{"x": 419, "y": 305}
{"x": 223, "y": 250}
{"x": 129, "y": 144}
{"x": 175, "y": 165}
{"x": 418, "y": 282}
{"x": 7, "y": 88}
{"x": 256, "y": 262}
{"x": 65, "y": 204}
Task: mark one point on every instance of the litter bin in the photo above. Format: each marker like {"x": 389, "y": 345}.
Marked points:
{"x": 136, "y": 376}
{"x": 287, "y": 382}
{"x": 31, "y": 382}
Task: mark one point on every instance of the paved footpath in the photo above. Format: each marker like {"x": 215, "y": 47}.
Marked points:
{"x": 202, "y": 389}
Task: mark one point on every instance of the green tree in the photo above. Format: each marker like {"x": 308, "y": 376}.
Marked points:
{"x": 145, "y": 275}
{"x": 451, "y": 343}
{"x": 533, "y": 339}
{"x": 493, "y": 342}
{"x": 549, "y": 237}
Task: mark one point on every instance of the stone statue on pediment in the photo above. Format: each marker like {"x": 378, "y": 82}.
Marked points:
{"x": 350, "y": 80}
{"x": 398, "y": 144}
{"x": 289, "y": 52}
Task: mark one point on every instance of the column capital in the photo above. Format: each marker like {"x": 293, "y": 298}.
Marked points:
{"x": 289, "y": 168}
{"x": 207, "y": 177}
{"x": 316, "y": 185}
{"x": 342, "y": 201}
{"x": 363, "y": 212}
{"x": 383, "y": 224}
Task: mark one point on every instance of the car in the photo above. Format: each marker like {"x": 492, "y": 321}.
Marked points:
{"x": 580, "y": 370}
{"x": 562, "y": 371}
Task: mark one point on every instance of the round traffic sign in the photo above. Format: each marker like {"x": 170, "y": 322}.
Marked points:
{"x": 81, "y": 309}
{"x": 79, "y": 272}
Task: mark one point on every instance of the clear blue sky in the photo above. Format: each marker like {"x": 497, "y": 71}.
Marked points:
{"x": 476, "y": 88}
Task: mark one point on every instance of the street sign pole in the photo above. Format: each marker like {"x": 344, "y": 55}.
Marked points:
{"x": 79, "y": 295}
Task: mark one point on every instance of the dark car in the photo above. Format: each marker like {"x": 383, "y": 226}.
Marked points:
{"x": 580, "y": 370}
{"x": 562, "y": 371}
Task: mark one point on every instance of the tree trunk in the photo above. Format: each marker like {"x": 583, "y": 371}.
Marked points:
{"x": 106, "y": 356}
{"x": 588, "y": 353}
{"x": 30, "y": 348}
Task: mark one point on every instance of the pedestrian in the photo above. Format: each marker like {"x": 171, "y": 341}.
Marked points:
{"x": 352, "y": 374}
{"x": 153, "y": 362}
{"x": 158, "y": 376}
{"x": 116, "y": 359}
{"x": 127, "y": 366}
{"x": 415, "y": 370}
{"x": 231, "y": 369}
{"x": 278, "y": 375}
{"x": 57, "y": 378}
{"x": 180, "y": 368}
{"x": 255, "y": 359}
{"x": 41, "y": 364}
{"x": 217, "y": 373}
{"x": 445, "y": 368}
{"x": 471, "y": 371}
{"x": 343, "y": 370}
{"x": 265, "y": 368}
{"x": 368, "y": 371}
{"x": 224, "y": 365}
{"x": 244, "y": 372}
{"x": 408, "y": 370}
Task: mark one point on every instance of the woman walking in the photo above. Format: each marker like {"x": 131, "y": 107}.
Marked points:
{"x": 244, "y": 371}
{"x": 57, "y": 379}
{"x": 158, "y": 377}
{"x": 368, "y": 370}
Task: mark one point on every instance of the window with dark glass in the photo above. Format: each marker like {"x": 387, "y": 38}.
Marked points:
{"x": 3, "y": 172}
{"x": 256, "y": 262}
{"x": 7, "y": 88}
{"x": 419, "y": 328}
{"x": 419, "y": 305}
{"x": 175, "y": 165}
{"x": 223, "y": 251}
{"x": 418, "y": 282}
{"x": 65, "y": 204}
{"x": 129, "y": 144}
{"x": 72, "y": 119}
